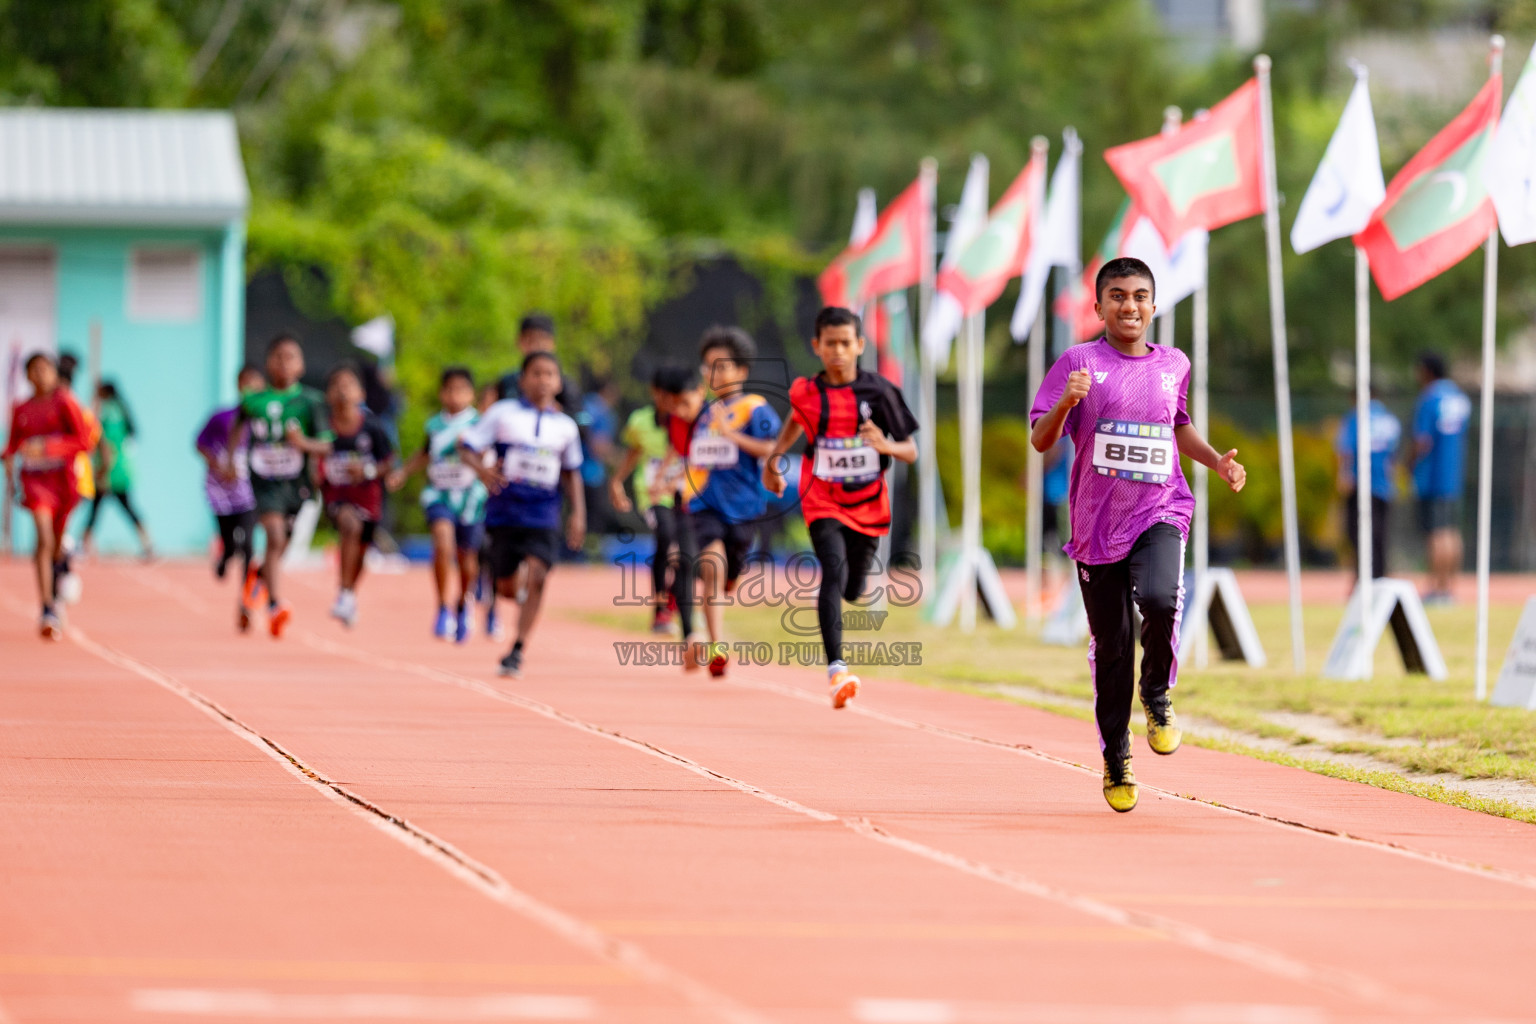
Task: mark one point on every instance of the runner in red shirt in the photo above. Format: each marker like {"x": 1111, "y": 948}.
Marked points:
{"x": 855, "y": 423}
{"x": 47, "y": 431}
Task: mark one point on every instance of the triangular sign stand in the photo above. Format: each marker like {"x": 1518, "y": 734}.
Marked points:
{"x": 1218, "y": 600}
{"x": 1517, "y": 679}
{"x": 1068, "y": 624}
{"x": 1396, "y": 603}
{"x": 953, "y": 574}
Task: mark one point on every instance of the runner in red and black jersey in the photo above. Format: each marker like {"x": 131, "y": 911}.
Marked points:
{"x": 855, "y": 423}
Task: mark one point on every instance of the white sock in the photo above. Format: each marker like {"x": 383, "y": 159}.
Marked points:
{"x": 835, "y": 667}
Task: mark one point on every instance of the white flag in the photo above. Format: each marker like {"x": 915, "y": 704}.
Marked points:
{"x": 1057, "y": 244}
{"x": 944, "y": 313}
{"x": 1510, "y": 173}
{"x": 376, "y": 336}
{"x": 864, "y": 217}
{"x": 1348, "y": 185}
{"x": 1178, "y": 272}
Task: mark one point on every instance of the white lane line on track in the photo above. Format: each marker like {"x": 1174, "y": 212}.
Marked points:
{"x": 1486, "y": 871}
{"x": 1259, "y": 958}
{"x": 938, "y": 1011}
{"x": 369, "y": 1006}
{"x": 478, "y": 876}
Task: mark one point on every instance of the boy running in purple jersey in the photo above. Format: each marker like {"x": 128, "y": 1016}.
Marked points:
{"x": 228, "y": 488}
{"x": 1121, "y": 399}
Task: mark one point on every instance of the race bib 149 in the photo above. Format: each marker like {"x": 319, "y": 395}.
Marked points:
{"x": 845, "y": 460}
{"x": 1141, "y": 452}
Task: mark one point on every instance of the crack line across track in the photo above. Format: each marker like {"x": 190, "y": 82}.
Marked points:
{"x": 480, "y": 877}
{"x": 1259, "y": 958}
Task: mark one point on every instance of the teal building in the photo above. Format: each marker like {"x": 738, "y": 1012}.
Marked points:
{"x": 122, "y": 240}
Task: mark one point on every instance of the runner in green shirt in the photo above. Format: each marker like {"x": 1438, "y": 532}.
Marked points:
{"x": 114, "y": 464}
{"x": 644, "y": 464}
{"x": 280, "y": 471}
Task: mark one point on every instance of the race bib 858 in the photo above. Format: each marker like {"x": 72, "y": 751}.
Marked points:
{"x": 1141, "y": 452}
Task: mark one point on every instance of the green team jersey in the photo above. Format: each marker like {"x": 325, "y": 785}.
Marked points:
{"x": 451, "y": 482}
{"x": 268, "y": 414}
{"x": 115, "y": 434}
{"x": 642, "y": 431}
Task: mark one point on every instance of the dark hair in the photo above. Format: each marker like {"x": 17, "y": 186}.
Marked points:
{"x": 456, "y": 373}
{"x": 1433, "y": 364}
{"x": 1122, "y": 266}
{"x": 341, "y": 368}
{"x": 283, "y": 338}
{"x": 531, "y": 356}
{"x": 674, "y": 380}
{"x": 107, "y": 390}
{"x": 837, "y": 316}
{"x": 733, "y": 339}
{"x": 537, "y": 322}
{"x": 250, "y": 368}
{"x": 66, "y": 365}
{"x": 35, "y": 356}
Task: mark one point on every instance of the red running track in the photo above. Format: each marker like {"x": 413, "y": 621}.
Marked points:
{"x": 368, "y": 825}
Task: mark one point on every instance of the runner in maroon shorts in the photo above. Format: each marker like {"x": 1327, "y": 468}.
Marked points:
{"x": 47, "y": 431}
{"x": 1121, "y": 399}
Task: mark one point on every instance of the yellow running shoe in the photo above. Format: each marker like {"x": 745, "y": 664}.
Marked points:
{"x": 1163, "y": 732}
{"x": 1120, "y": 789}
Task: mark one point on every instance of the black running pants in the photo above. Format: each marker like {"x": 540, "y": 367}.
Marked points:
{"x": 845, "y": 555}
{"x": 1151, "y": 575}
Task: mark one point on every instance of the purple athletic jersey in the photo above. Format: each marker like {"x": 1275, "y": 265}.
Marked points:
{"x": 1126, "y": 475}
{"x": 225, "y": 497}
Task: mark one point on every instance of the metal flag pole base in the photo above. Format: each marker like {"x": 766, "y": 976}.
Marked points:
{"x": 956, "y": 571}
{"x": 300, "y": 553}
{"x": 1068, "y": 624}
{"x": 1396, "y": 603}
{"x": 1218, "y": 603}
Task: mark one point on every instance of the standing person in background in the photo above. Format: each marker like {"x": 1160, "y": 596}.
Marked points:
{"x": 599, "y": 424}
{"x": 227, "y": 486}
{"x": 114, "y": 464}
{"x": 47, "y": 431}
{"x": 1053, "y": 498}
{"x": 645, "y": 455}
{"x": 1440, "y": 420}
{"x": 454, "y": 499}
{"x": 485, "y": 583}
{"x": 536, "y": 333}
{"x": 69, "y": 586}
{"x": 1384, "y": 432}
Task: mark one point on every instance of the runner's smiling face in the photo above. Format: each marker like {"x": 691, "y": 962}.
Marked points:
{"x": 839, "y": 348}
{"x": 1125, "y": 306}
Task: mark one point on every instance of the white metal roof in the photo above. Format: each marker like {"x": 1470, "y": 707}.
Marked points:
{"x": 142, "y": 167}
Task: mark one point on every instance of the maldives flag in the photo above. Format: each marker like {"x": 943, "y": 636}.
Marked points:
{"x": 997, "y": 255}
{"x": 892, "y": 258}
{"x": 1205, "y": 175}
{"x": 1437, "y": 208}
{"x": 1076, "y": 305}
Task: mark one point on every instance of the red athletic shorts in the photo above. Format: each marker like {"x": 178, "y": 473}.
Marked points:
{"x": 51, "y": 489}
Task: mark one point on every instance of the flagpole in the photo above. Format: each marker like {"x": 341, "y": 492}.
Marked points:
{"x": 1034, "y": 462}
{"x": 1261, "y": 65}
{"x": 1172, "y": 117}
{"x": 1363, "y": 444}
{"x": 1200, "y": 325}
{"x": 927, "y": 400}
{"x": 1485, "y": 444}
{"x": 969, "y": 392}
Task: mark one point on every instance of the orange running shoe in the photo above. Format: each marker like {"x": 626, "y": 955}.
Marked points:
{"x": 250, "y": 590}
{"x": 718, "y": 662}
{"x": 845, "y": 687}
{"x": 277, "y": 619}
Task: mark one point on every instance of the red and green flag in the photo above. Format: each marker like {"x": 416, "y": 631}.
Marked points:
{"x": 890, "y": 259}
{"x": 1205, "y": 175}
{"x": 1076, "y": 306}
{"x": 997, "y": 255}
{"x": 1437, "y": 209}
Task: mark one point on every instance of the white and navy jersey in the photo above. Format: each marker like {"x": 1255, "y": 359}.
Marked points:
{"x": 532, "y": 446}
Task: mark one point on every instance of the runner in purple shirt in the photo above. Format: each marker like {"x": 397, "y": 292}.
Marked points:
{"x": 1121, "y": 399}
{"x": 228, "y": 488}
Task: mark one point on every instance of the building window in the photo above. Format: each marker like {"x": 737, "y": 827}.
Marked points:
{"x": 165, "y": 283}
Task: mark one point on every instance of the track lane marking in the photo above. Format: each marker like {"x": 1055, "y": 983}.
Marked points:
{"x": 445, "y": 855}
{"x": 1250, "y": 955}
{"x": 1486, "y": 871}
{"x": 369, "y": 1006}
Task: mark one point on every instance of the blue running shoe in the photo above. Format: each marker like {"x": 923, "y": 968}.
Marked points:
{"x": 444, "y": 623}
{"x": 493, "y": 625}
{"x": 461, "y": 624}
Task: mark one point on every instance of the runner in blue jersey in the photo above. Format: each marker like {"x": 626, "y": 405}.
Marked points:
{"x": 1439, "y": 471}
{"x": 537, "y": 457}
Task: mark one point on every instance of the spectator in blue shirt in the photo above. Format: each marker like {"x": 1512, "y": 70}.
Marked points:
{"x": 1384, "y": 431}
{"x": 1439, "y": 458}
